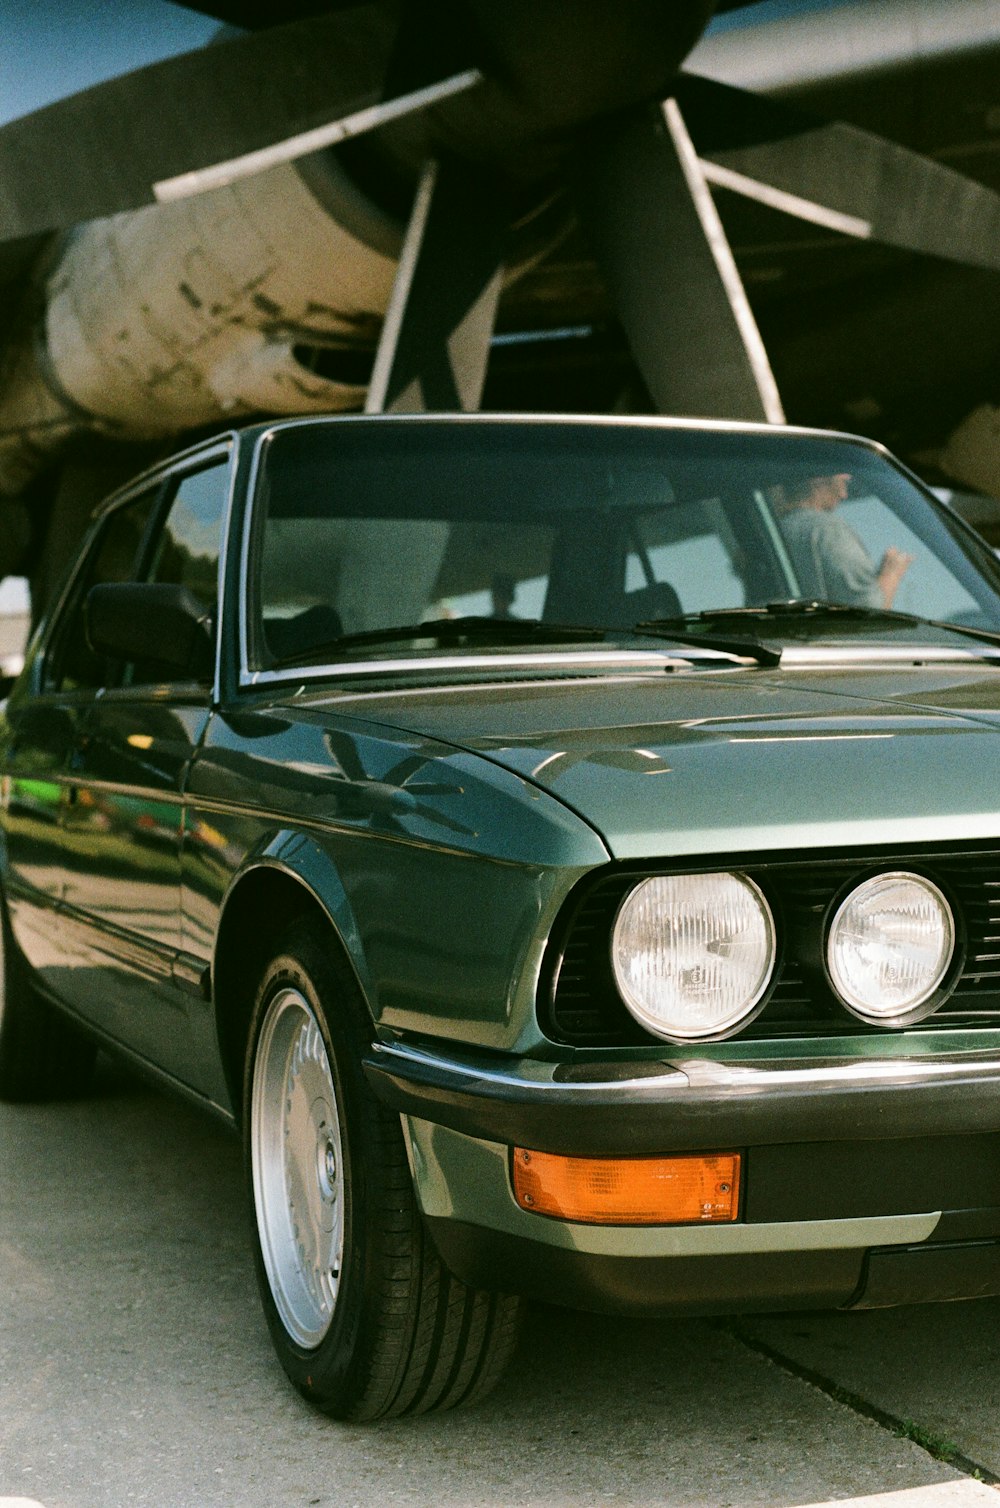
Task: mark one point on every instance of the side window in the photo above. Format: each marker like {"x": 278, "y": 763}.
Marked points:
{"x": 71, "y": 665}
{"x": 184, "y": 551}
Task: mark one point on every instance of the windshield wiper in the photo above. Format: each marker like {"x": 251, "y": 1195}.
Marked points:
{"x": 445, "y": 631}
{"x": 796, "y": 605}
{"x": 799, "y": 607}
{"x": 454, "y": 630}
{"x": 818, "y": 608}
{"x": 667, "y": 628}
{"x": 682, "y": 629}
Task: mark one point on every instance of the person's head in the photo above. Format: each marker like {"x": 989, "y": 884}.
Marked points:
{"x": 822, "y": 493}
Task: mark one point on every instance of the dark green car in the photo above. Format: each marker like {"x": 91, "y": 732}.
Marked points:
{"x": 569, "y": 850}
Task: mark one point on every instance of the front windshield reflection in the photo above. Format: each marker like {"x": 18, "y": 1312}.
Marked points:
{"x": 369, "y": 527}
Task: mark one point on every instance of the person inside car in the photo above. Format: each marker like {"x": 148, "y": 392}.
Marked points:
{"x": 829, "y": 558}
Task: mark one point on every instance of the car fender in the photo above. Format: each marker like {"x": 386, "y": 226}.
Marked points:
{"x": 303, "y": 859}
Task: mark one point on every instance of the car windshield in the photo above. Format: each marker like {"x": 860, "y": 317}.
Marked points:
{"x": 368, "y": 527}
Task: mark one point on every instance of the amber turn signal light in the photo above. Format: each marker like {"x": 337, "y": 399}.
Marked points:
{"x": 628, "y": 1190}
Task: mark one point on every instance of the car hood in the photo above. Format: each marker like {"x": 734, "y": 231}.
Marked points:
{"x": 703, "y": 762}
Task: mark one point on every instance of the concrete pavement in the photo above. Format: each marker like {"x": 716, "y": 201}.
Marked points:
{"x": 136, "y": 1368}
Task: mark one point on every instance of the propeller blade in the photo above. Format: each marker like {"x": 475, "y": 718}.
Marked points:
{"x": 223, "y": 107}
{"x": 669, "y": 270}
{"x": 838, "y": 175}
{"x": 436, "y": 337}
{"x": 220, "y": 174}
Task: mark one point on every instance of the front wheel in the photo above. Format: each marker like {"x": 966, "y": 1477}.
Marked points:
{"x": 365, "y": 1320}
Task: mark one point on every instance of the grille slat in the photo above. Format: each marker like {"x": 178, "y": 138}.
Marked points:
{"x": 580, "y": 1004}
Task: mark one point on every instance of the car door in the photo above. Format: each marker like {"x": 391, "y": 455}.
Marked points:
{"x": 46, "y": 717}
{"x": 124, "y": 818}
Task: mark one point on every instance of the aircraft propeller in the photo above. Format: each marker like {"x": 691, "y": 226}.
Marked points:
{"x": 492, "y": 110}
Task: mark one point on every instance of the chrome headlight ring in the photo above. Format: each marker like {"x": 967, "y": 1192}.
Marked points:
{"x": 693, "y": 955}
{"x": 889, "y": 947}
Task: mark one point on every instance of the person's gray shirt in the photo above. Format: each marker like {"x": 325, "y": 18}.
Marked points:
{"x": 829, "y": 558}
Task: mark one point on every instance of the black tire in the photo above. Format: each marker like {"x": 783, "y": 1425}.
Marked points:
{"x": 364, "y": 1318}
{"x": 42, "y": 1055}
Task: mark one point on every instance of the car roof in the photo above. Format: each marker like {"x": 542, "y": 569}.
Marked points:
{"x": 250, "y": 435}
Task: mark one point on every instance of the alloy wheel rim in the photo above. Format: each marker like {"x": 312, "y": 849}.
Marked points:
{"x": 298, "y": 1168}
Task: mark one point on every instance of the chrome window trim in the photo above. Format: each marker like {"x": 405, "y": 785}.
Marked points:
{"x": 586, "y": 421}
{"x": 229, "y": 449}
{"x": 626, "y": 659}
{"x": 185, "y": 460}
{"x": 871, "y": 656}
{"x": 246, "y": 676}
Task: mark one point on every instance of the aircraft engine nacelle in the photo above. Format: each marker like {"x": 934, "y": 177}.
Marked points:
{"x": 266, "y": 296}
{"x": 185, "y": 315}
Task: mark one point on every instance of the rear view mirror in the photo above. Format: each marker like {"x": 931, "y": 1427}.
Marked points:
{"x": 152, "y": 623}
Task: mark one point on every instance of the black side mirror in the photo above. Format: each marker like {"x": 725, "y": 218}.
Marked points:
{"x": 152, "y": 623}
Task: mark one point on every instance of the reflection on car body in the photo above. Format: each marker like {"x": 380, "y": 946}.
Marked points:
{"x": 491, "y": 819}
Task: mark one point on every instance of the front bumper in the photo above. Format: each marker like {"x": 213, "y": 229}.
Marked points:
{"x": 865, "y": 1182}
{"x": 617, "y": 1109}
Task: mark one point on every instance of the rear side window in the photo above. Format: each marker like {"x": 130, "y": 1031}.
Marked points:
{"x": 170, "y": 534}
{"x": 184, "y": 551}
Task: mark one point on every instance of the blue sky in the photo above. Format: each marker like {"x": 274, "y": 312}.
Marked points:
{"x": 51, "y": 48}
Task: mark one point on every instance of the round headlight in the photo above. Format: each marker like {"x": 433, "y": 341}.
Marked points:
{"x": 889, "y": 947}
{"x": 693, "y": 953}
